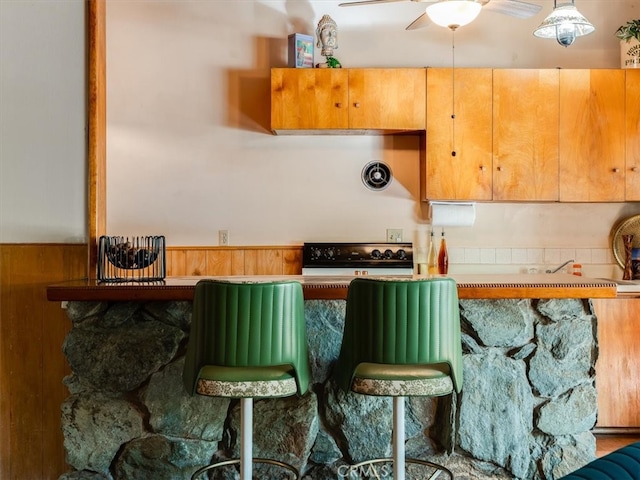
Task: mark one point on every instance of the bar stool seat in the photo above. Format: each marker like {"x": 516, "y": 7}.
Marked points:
{"x": 248, "y": 340}
{"x": 401, "y": 338}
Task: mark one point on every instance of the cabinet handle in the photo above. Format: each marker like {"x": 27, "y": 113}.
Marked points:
{"x": 339, "y": 105}
{"x": 499, "y": 169}
{"x": 483, "y": 168}
{"x": 356, "y": 104}
{"x": 634, "y": 169}
{"x": 616, "y": 170}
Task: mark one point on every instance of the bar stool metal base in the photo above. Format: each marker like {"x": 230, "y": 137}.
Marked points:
{"x": 237, "y": 461}
{"x": 354, "y": 469}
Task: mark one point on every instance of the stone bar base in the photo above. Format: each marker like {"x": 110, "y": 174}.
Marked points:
{"x": 527, "y": 405}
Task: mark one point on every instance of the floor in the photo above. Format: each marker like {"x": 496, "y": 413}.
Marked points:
{"x": 608, "y": 443}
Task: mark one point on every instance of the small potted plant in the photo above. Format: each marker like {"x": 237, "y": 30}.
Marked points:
{"x": 629, "y": 35}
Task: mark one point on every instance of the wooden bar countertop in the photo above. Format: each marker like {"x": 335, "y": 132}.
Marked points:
{"x": 476, "y": 286}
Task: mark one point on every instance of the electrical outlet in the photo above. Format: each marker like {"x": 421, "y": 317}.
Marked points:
{"x": 223, "y": 237}
{"x": 394, "y": 235}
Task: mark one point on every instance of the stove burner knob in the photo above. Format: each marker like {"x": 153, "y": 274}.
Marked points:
{"x": 376, "y": 254}
{"x": 315, "y": 253}
{"x": 330, "y": 253}
{"x": 388, "y": 254}
{"x": 401, "y": 254}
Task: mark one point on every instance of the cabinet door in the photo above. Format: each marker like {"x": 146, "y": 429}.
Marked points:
{"x": 458, "y": 151}
{"x": 387, "y": 98}
{"x": 525, "y": 134}
{"x": 309, "y": 98}
{"x": 618, "y": 365}
{"x": 592, "y": 135}
{"x": 632, "y": 173}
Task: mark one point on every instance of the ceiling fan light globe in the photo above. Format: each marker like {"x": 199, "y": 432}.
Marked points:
{"x": 453, "y": 13}
{"x": 564, "y": 24}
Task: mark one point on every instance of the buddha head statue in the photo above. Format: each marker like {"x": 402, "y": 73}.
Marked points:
{"x": 327, "y": 34}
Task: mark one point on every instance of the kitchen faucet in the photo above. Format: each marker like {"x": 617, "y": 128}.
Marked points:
{"x": 560, "y": 267}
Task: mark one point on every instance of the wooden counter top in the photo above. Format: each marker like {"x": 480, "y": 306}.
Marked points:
{"x": 478, "y": 286}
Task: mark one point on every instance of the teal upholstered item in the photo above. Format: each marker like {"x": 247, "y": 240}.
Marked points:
{"x": 401, "y": 338}
{"x": 623, "y": 464}
{"x": 248, "y": 340}
{"x": 247, "y": 332}
{"x": 401, "y": 329}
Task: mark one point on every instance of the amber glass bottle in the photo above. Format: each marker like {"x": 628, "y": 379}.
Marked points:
{"x": 443, "y": 257}
{"x": 432, "y": 258}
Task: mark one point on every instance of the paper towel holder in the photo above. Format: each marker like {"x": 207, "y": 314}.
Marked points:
{"x": 452, "y": 214}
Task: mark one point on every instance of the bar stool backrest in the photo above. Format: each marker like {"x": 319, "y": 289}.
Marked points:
{"x": 250, "y": 324}
{"x": 401, "y": 322}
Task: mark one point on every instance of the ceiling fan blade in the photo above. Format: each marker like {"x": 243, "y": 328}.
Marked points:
{"x": 422, "y": 21}
{"x": 367, "y": 2}
{"x": 514, "y": 8}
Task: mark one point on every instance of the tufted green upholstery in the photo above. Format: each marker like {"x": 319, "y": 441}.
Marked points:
{"x": 413, "y": 323}
{"x": 256, "y": 328}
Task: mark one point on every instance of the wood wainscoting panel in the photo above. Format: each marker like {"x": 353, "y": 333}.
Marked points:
{"x": 225, "y": 261}
{"x": 32, "y": 364}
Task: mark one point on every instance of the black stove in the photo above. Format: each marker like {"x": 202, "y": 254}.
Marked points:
{"x": 357, "y": 258}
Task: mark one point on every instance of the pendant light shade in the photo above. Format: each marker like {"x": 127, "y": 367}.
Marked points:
{"x": 564, "y": 24}
{"x": 453, "y": 13}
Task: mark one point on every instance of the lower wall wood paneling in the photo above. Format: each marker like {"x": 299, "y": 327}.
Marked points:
{"x": 32, "y": 365}
{"x": 32, "y": 331}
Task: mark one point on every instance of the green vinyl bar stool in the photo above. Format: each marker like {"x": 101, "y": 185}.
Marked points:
{"x": 401, "y": 338}
{"x": 248, "y": 340}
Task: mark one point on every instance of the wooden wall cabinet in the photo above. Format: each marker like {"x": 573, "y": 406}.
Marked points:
{"x": 592, "y": 135}
{"x": 326, "y": 100}
{"x": 467, "y": 175}
{"x": 632, "y": 171}
{"x": 525, "y": 134}
{"x": 618, "y": 365}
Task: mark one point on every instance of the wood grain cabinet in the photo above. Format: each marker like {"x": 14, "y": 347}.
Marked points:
{"x": 618, "y": 365}
{"x": 467, "y": 175}
{"x": 592, "y": 135}
{"x": 525, "y": 134}
{"x": 632, "y": 172}
{"x": 370, "y": 99}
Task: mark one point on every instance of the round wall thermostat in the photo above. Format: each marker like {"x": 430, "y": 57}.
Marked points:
{"x": 376, "y": 175}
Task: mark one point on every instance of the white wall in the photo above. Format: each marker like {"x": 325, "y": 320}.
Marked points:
{"x": 189, "y": 154}
{"x": 42, "y": 121}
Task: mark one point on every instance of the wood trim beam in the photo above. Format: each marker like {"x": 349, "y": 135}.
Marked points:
{"x": 97, "y": 152}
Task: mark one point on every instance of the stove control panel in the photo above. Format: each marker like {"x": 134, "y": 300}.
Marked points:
{"x": 357, "y": 254}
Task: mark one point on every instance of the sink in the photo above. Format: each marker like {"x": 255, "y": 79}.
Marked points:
{"x": 625, "y": 286}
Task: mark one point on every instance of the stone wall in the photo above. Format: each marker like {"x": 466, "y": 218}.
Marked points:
{"x": 525, "y": 411}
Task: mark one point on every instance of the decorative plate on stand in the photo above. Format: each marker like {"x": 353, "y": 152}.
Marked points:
{"x": 630, "y": 226}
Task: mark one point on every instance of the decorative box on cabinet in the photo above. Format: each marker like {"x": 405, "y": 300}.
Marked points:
{"x": 592, "y": 135}
{"x": 467, "y": 175}
{"x": 328, "y": 100}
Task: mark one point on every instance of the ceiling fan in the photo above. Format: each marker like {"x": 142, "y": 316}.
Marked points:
{"x": 514, "y": 8}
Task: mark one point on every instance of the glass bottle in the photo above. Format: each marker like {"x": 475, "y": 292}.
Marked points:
{"x": 443, "y": 257}
{"x": 432, "y": 259}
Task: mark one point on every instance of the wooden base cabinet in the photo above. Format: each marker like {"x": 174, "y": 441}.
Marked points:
{"x": 329, "y": 99}
{"x": 618, "y": 365}
{"x": 458, "y": 151}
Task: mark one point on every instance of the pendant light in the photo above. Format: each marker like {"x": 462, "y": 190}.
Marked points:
{"x": 453, "y": 13}
{"x": 564, "y": 24}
